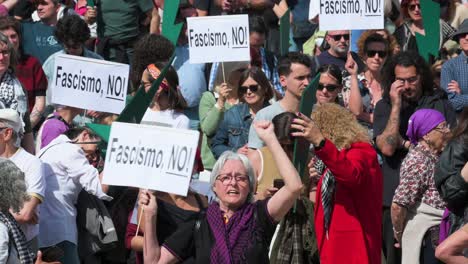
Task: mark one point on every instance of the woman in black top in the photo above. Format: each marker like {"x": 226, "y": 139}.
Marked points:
{"x": 235, "y": 229}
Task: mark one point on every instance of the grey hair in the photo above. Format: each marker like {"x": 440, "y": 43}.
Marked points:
{"x": 12, "y": 185}
{"x": 16, "y": 136}
{"x": 229, "y": 155}
{"x": 13, "y": 56}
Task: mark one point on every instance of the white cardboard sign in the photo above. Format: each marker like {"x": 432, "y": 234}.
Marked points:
{"x": 351, "y": 14}
{"x": 89, "y": 83}
{"x": 150, "y": 157}
{"x": 218, "y": 38}
{"x": 313, "y": 9}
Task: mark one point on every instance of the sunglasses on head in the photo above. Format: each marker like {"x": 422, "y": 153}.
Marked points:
{"x": 252, "y": 88}
{"x": 413, "y": 7}
{"x": 381, "y": 53}
{"x": 329, "y": 87}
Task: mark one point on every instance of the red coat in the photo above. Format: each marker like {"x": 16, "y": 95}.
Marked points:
{"x": 355, "y": 231}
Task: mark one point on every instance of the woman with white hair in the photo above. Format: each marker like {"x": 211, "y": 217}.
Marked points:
{"x": 235, "y": 228}
{"x": 13, "y": 244}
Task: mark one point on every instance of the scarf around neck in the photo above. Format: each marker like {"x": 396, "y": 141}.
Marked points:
{"x": 233, "y": 239}
{"x": 19, "y": 240}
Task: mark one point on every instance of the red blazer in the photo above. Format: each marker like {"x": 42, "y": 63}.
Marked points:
{"x": 355, "y": 231}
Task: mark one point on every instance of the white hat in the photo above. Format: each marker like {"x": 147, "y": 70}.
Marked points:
{"x": 12, "y": 120}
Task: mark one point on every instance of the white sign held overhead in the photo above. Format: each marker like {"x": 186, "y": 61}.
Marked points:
{"x": 313, "y": 9}
{"x": 218, "y": 38}
{"x": 89, "y": 83}
{"x": 351, "y": 14}
{"x": 155, "y": 158}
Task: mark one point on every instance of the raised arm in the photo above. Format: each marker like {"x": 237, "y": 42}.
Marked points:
{"x": 355, "y": 98}
{"x": 390, "y": 139}
{"x": 153, "y": 253}
{"x": 283, "y": 200}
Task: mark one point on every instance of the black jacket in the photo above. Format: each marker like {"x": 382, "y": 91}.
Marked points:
{"x": 452, "y": 187}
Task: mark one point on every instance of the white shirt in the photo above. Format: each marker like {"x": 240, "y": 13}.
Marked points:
{"x": 8, "y": 253}
{"x": 166, "y": 118}
{"x": 34, "y": 176}
{"x": 67, "y": 172}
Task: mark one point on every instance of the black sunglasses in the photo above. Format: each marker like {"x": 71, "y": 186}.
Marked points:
{"x": 413, "y": 7}
{"x": 329, "y": 87}
{"x": 252, "y": 88}
{"x": 338, "y": 37}
{"x": 371, "y": 53}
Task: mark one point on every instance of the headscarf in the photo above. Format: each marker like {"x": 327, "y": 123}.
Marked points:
{"x": 422, "y": 122}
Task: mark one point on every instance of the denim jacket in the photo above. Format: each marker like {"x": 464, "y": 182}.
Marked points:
{"x": 233, "y": 132}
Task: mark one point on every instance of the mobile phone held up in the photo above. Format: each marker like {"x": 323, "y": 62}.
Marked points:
{"x": 52, "y": 254}
{"x": 278, "y": 183}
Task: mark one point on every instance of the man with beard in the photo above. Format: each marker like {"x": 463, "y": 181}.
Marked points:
{"x": 337, "y": 53}
{"x": 408, "y": 86}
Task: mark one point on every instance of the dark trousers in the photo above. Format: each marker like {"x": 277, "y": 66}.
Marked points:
{"x": 391, "y": 253}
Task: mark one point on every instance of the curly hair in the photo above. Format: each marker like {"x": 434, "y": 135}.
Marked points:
{"x": 71, "y": 28}
{"x": 149, "y": 49}
{"x": 13, "y": 186}
{"x": 339, "y": 125}
{"x": 390, "y": 43}
{"x": 407, "y": 59}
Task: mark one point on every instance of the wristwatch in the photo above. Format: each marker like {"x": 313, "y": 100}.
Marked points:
{"x": 320, "y": 145}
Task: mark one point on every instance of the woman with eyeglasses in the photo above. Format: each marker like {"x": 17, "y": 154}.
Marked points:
{"x": 254, "y": 91}
{"x": 235, "y": 228}
{"x": 329, "y": 84}
{"x": 417, "y": 207}
{"x": 406, "y": 32}
{"x": 362, "y": 91}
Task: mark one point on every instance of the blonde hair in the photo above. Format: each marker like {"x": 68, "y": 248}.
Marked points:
{"x": 339, "y": 125}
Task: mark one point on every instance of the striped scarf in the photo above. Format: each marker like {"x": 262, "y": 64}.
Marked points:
{"x": 19, "y": 240}
{"x": 327, "y": 192}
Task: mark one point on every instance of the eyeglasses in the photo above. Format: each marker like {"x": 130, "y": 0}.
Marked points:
{"x": 329, "y": 87}
{"x": 5, "y": 53}
{"x": 381, "y": 53}
{"x": 410, "y": 80}
{"x": 442, "y": 129}
{"x": 225, "y": 179}
{"x": 252, "y": 88}
{"x": 413, "y": 7}
{"x": 339, "y": 36}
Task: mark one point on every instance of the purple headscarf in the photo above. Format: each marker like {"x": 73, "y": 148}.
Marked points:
{"x": 422, "y": 122}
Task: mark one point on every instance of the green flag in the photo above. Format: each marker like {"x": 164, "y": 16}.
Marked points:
{"x": 428, "y": 44}
{"x": 301, "y": 146}
{"x": 170, "y": 30}
{"x": 284, "y": 33}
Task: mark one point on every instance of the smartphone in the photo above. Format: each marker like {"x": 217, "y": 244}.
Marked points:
{"x": 90, "y": 3}
{"x": 52, "y": 254}
{"x": 278, "y": 183}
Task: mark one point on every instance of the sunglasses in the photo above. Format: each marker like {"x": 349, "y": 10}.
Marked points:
{"x": 252, "y": 88}
{"x": 338, "y": 37}
{"x": 329, "y": 87}
{"x": 371, "y": 53}
{"x": 413, "y": 7}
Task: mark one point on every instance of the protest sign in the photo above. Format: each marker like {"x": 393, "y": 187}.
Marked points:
{"x": 218, "y": 38}
{"x": 285, "y": 26}
{"x": 313, "y": 9}
{"x": 89, "y": 83}
{"x": 351, "y": 14}
{"x": 149, "y": 157}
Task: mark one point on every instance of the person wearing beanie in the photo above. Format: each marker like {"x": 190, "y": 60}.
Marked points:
{"x": 417, "y": 207}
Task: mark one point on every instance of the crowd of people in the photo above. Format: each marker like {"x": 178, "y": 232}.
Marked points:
{"x": 386, "y": 179}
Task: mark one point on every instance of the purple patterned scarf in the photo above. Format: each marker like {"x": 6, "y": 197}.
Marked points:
{"x": 232, "y": 240}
